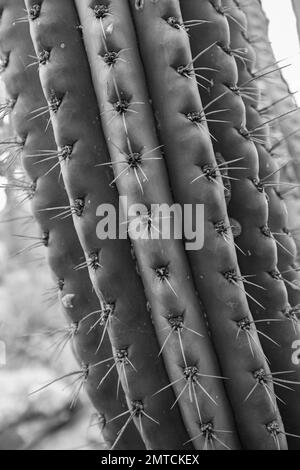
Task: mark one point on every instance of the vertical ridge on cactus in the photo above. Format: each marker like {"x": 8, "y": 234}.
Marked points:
{"x": 288, "y": 332}
{"x": 39, "y": 158}
{"x": 180, "y": 325}
{"x": 67, "y": 85}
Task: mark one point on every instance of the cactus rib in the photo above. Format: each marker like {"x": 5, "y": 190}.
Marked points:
{"x": 67, "y": 86}
{"x": 63, "y": 248}
{"x": 284, "y": 333}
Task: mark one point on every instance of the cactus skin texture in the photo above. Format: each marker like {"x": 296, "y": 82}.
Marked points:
{"x": 187, "y": 149}
{"x": 287, "y": 333}
{"x": 296, "y": 8}
{"x": 112, "y": 270}
{"x": 275, "y": 90}
{"x": 183, "y": 350}
{"x": 63, "y": 249}
{"x": 119, "y": 112}
{"x": 268, "y": 172}
{"x": 277, "y": 100}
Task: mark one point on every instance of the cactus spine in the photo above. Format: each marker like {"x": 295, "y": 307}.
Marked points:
{"x": 183, "y": 349}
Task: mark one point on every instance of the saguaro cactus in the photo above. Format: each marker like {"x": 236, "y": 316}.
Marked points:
{"x": 139, "y": 105}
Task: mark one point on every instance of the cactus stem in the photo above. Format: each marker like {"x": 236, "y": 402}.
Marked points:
{"x": 244, "y": 325}
{"x": 41, "y": 59}
{"x": 81, "y": 377}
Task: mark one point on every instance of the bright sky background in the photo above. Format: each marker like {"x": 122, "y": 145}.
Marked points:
{"x": 284, "y": 38}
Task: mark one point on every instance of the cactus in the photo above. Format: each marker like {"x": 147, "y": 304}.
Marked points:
{"x": 146, "y": 104}
{"x": 57, "y": 231}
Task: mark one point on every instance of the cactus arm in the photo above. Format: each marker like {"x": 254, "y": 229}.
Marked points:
{"x": 112, "y": 270}
{"x": 288, "y": 332}
{"x": 164, "y": 47}
{"x": 182, "y": 349}
{"x": 63, "y": 248}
